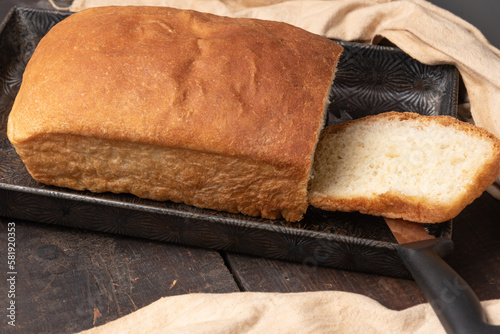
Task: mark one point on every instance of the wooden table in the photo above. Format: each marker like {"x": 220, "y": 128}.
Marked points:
{"x": 69, "y": 280}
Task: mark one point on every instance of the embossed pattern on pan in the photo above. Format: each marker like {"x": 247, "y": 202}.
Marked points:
{"x": 370, "y": 80}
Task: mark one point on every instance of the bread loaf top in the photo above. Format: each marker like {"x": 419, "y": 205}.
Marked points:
{"x": 168, "y": 104}
{"x": 184, "y": 79}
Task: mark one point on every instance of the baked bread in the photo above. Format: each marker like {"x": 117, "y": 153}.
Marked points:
{"x": 402, "y": 165}
{"x": 167, "y": 104}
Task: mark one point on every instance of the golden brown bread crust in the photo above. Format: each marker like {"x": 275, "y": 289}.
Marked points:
{"x": 203, "y": 90}
{"x": 422, "y": 209}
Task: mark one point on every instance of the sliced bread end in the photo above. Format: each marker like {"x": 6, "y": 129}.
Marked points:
{"x": 424, "y": 169}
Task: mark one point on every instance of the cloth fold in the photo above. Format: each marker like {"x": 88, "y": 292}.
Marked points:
{"x": 258, "y": 312}
{"x": 424, "y": 31}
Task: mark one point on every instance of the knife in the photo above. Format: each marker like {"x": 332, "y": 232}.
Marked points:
{"x": 452, "y": 299}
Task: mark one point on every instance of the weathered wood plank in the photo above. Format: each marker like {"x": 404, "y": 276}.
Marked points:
{"x": 69, "y": 280}
{"x": 476, "y": 258}
{"x": 269, "y": 275}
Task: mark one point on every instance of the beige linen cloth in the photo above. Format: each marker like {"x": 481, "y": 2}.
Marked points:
{"x": 424, "y": 31}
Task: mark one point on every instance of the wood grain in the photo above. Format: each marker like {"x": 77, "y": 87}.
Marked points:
{"x": 269, "y": 275}
{"x": 476, "y": 258}
{"x": 69, "y": 280}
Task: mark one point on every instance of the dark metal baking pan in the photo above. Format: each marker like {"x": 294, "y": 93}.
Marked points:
{"x": 370, "y": 80}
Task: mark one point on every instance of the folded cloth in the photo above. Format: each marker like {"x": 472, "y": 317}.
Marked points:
{"x": 424, "y": 31}
{"x": 258, "y": 312}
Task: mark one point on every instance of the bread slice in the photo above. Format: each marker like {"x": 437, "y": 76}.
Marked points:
{"x": 424, "y": 169}
{"x": 168, "y": 104}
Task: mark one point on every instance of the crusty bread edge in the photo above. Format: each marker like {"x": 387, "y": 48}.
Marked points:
{"x": 396, "y": 205}
{"x": 291, "y": 214}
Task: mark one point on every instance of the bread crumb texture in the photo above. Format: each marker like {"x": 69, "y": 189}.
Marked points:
{"x": 401, "y": 165}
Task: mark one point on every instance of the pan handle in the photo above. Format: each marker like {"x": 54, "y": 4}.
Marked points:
{"x": 454, "y": 302}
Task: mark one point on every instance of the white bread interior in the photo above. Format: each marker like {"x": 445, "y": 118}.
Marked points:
{"x": 403, "y": 165}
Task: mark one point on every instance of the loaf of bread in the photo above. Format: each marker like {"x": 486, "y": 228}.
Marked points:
{"x": 402, "y": 165}
{"x": 167, "y": 104}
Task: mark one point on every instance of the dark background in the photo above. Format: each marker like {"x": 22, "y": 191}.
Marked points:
{"x": 484, "y": 14}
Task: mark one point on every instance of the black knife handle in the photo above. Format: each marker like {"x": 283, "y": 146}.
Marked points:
{"x": 454, "y": 302}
